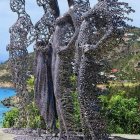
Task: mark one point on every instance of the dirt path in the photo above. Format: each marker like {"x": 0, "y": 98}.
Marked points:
{"x": 5, "y": 136}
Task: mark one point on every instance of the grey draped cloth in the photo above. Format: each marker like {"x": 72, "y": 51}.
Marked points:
{"x": 44, "y": 93}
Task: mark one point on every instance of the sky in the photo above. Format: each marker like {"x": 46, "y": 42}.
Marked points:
{"x": 8, "y": 18}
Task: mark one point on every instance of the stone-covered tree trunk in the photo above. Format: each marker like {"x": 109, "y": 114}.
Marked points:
{"x": 44, "y": 89}
{"x": 63, "y": 52}
{"x": 99, "y": 25}
{"x": 44, "y": 85}
{"x": 88, "y": 79}
{"x": 18, "y": 55}
{"x": 62, "y": 73}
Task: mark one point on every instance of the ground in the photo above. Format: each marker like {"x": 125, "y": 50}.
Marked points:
{"x": 6, "y": 136}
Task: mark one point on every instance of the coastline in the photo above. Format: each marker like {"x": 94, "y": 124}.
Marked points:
{"x": 9, "y": 101}
{"x": 6, "y": 85}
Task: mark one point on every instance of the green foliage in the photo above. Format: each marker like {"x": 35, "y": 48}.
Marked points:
{"x": 74, "y": 94}
{"x": 30, "y": 85}
{"x": 132, "y": 89}
{"x": 76, "y": 110}
{"x": 126, "y": 66}
{"x": 73, "y": 80}
{"x": 10, "y": 118}
{"x": 34, "y": 119}
{"x": 123, "y": 113}
{"x": 30, "y": 82}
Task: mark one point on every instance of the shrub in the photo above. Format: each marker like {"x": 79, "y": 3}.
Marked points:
{"x": 10, "y": 118}
{"x": 35, "y": 120}
{"x": 122, "y": 113}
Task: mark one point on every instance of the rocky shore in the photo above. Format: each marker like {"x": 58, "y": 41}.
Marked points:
{"x": 10, "y": 102}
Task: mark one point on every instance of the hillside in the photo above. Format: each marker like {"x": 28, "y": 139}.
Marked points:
{"x": 5, "y": 75}
{"x": 127, "y": 58}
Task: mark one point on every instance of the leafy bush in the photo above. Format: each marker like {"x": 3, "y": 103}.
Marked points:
{"x": 34, "y": 118}
{"x": 10, "y": 118}
{"x": 76, "y": 116}
{"x": 30, "y": 84}
{"x": 76, "y": 105}
{"x": 122, "y": 112}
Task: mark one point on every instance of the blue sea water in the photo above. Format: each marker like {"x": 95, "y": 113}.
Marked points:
{"x": 5, "y": 93}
